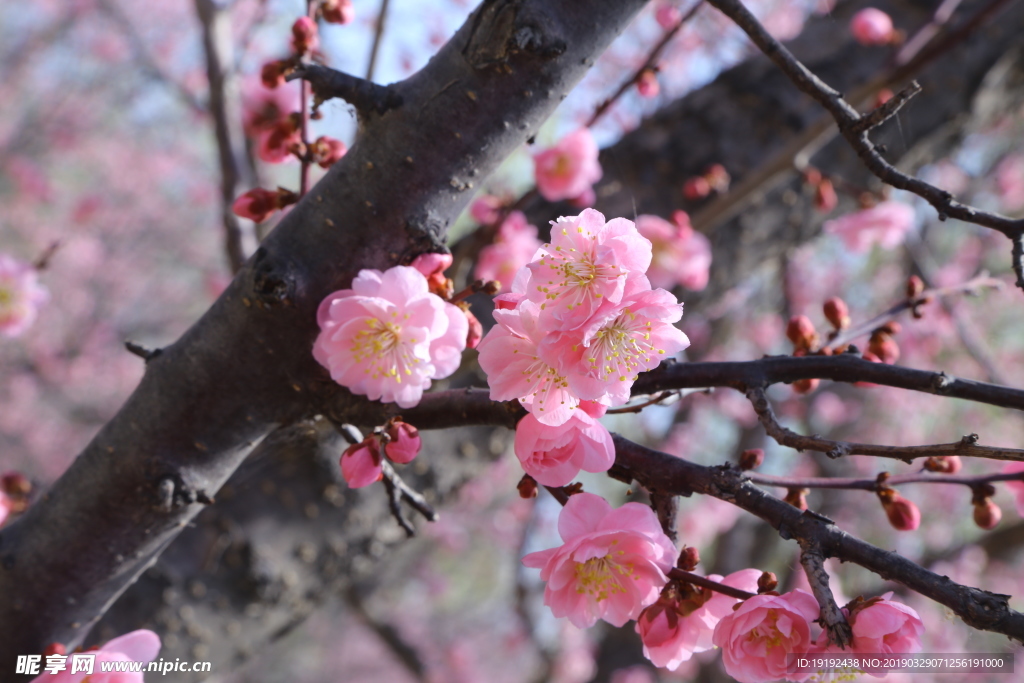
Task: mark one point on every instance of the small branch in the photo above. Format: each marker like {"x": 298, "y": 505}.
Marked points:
{"x": 389, "y": 635}
{"x": 663, "y": 396}
{"x": 377, "y": 36}
{"x": 367, "y": 98}
{"x": 873, "y": 483}
{"x": 832, "y": 618}
{"x": 666, "y": 506}
{"x": 1017, "y": 253}
{"x": 398, "y": 491}
{"x": 141, "y": 351}
{"x": 704, "y": 582}
{"x": 42, "y": 262}
{"x": 967, "y": 446}
{"x": 887, "y": 109}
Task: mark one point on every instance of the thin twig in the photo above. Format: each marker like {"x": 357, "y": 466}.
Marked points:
{"x": 704, "y": 582}
{"x": 377, "y": 37}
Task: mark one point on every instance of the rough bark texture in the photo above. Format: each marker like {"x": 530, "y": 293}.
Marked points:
{"x": 245, "y": 368}
{"x": 283, "y": 534}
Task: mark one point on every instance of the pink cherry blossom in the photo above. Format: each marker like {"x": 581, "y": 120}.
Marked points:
{"x": 21, "y": 295}
{"x": 360, "y": 464}
{"x": 555, "y": 455}
{"x": 759, "y": 635}
{"x": 680, "y": 255}
{"x": 486, "y": 209}
{"x": 1010, "y": 181}
{"x": 405, "y": 442}
{"x": 886, "y": 225}
{"x": 613, "y": 563}
{"x": 137, "y": 646}
{"x": 880, "y": 627}
{"x": 513, "y": 248}
{"x": 618, "y": 343}
{"x": 872, "y": 26}
{"x": 568, "y": 169}
{"x": 515, "y": 369}
{"x": 1016, "y": 486}
{"x": 388, "y": 336}
{"x": 584, "y": 268}
{"x": 677, "y": 626}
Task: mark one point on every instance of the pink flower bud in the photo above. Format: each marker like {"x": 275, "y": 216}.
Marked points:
{"x": 987, "y": 514}
{"x": 272, "y": 73}
{"x": 689, "y": 558}
{"x": 279, "y": 142}
{"x": 902, "y": 514}
{"x": 338, "y": 11}
{"x": 837, "y": 313}
{"x": 767, "y": 582}
{"x": 801, "y": 332}
{"x": 327, "y": 150}
{"x": 256, "y": 205}
{"x": 527, "y": 487}
{"x": 405, "y": 442}
{"x": 883, "y": 96}
{"x": 945, "y": 464}
{"x": 825, "y": 199}
{"x": 647, "y": 85}
{"x": 915, "y": 286}
{"x": 872, "y": 26}
{"x": 305, "y": 36}
{"x": 360, "y": 464}
{"x": 696, "y": 188}
{"x": 668, "y": 15}
{"x": 751, "y": 459}
{"x": 806, "y": 386}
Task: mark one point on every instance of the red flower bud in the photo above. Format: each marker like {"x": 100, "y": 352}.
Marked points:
{"x": 337, "y": 11}
{"x": 825, "y": 197}
{"x": 944, "y": 464}
{"x": 647, "y": 85}
{"x": 718, "y": 178}
{"x": 837, "y": 313}
{"x": 404, "y": 444}
{"x": 801, "y": 332}
{"x": 689, "y": 558}
{"x": 696, "y": 188}
{"x": 987, "y": 514}
{"x": 751, "y": 459}
{"x": 272, "y": 73}
{"x": 805, "y": 386}
{"x": 902, "y": 514}
{"x": 305, "y": 36}
{"x": 884, "y": 347}
{"x": 767, "y": 582}
{"x": 15, "y": 484}
{"x": 256, "y": 205}
{"x": 55, "y": 649}
{"x": 527, "y": 487}
{"x": 797, "y": 498}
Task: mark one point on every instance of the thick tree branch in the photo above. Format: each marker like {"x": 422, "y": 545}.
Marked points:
{"x": 366, "y": 96}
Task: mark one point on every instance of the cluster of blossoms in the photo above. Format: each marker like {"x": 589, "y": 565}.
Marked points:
{"x": 137, "y": 646}
{"x": 579, "y": 325}
{"x": 361, "y": 463}
{"x": 21, "y": 295}
{"x": 614, "y": 565}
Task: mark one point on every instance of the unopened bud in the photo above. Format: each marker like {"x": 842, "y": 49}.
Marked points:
{"x": 689, "y": 558}
{"x": 801, "y": 332}
{"x": 475, "y": 332}
{"x": 837, "y": 313}
{"x": 337, "y": 11}
{"x": 987, "y": 514}
{"x": 812, "y": 176}
{"x": 55, "y": 649}
{"x": 797, "y": 497}
{"x": 305, "y": 36}
{"x": 718, "y": 178}
{"x": 647, "y": 85}
{"x": 527, "y": 487}
{"x": 825, "y": 198}
{"x": 272, "y": 73}
{"x": 944, "y": 464}
{"x": 915, "y": 286}
{"x": 15, "y": 484}
{"x": 902, "y": 514}
{"x": 404, "y": 442}
{"x": 751, "y": 459}
{"x": 884, "y": 348}
{"x": 767, "y": 582}
{"x": 806, "y": 386}
{"x": 491, "y": 287}
{"x": 696, "y": 188}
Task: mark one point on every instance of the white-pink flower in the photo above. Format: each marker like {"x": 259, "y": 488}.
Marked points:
{"x": 613, "y": 563}
{"x": 680, "y": 255}
{"x": 514, "y": 247}
{"x": 555, "y": 455}
{"x": 21, "y": 295}
{"x": 388, "y": 336}
{"x": 872, "y": 26}
{"x": 886, "y": 225}
{"x": 758, "y": 636}
{"x": 677, "y": 626}
{"x": 137, "y": 646}
{"x": 568, "y": 169}
{"x": 584, "y": 268}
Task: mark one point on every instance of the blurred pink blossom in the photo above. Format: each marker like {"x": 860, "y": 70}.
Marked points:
{"x": 5, "y": 507}
{"x": 1010, "y": 181}
{"x": 668, "y": 15}
{"x": 886, "y": 225}
{"x": 634, "y": 674}
{"x": 1016, "y": 486}
{"x": 568, "y": 169}
{"x": 758, "y": 636}
{"x": 21, "y": 295}
{"x": 262, "y": 107}
{"x": 137, "y": 646}
{"x": 555, "y": 455}
{"x": 612, "y": 564}
{"x": 872, "y": 26}
{"x": 486, "y": 209}
{"x": 680, "y": 255}
{"x": 513, "y": 248}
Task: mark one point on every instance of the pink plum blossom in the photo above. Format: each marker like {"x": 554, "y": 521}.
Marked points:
{"x": 677, "y": 626}
{"x": 21, "y": 295}
{"x": 667, "y": 15}
{"x": 511, "y": 358}
{"x": 555, "y": 455}
{"x": 680, "y": 255}
{"x": 513, "y": 248}
{"x": 405, "y": 442}
{"x": 568, "y": 169}
{"x": 360, "y": 464}
{"x": 758, "y": 636}
{"x": 486, "y": 209}
{"x": 388, "y": 336}
{"x": 612, "y": 563}
{"x": 137, "y": 646}
{"x": 886, "y": 225}
{"x": 1017, "y": 486}
{"x": 880, "y": 627}
{"x": 872, "y": 26}
{"x": 584, "y": 268}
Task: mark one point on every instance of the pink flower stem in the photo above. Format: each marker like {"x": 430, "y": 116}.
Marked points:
{"x": 704, "y": 582}
{"x": 649, "y": 63}
{"x": 873, "y": 484}
{"x": 844, "y": 337}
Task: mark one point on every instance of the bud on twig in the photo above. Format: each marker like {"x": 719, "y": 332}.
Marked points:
{"x": 915, "y": 286}
{"x": 767, "y": 582}
{"x": 902, "y": 514}
{"x": 944, "y": 464}
{"x": 837, "y": 313}
{"x": 527, "y": 487}
{"x": 689, "y": 558}
{"x": 797, "y": 497}
{"x": 751, "y": 459}
{"x": 801, "y": 332}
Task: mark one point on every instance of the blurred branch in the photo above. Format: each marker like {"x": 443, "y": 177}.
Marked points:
{"x": 378, "y": 35}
